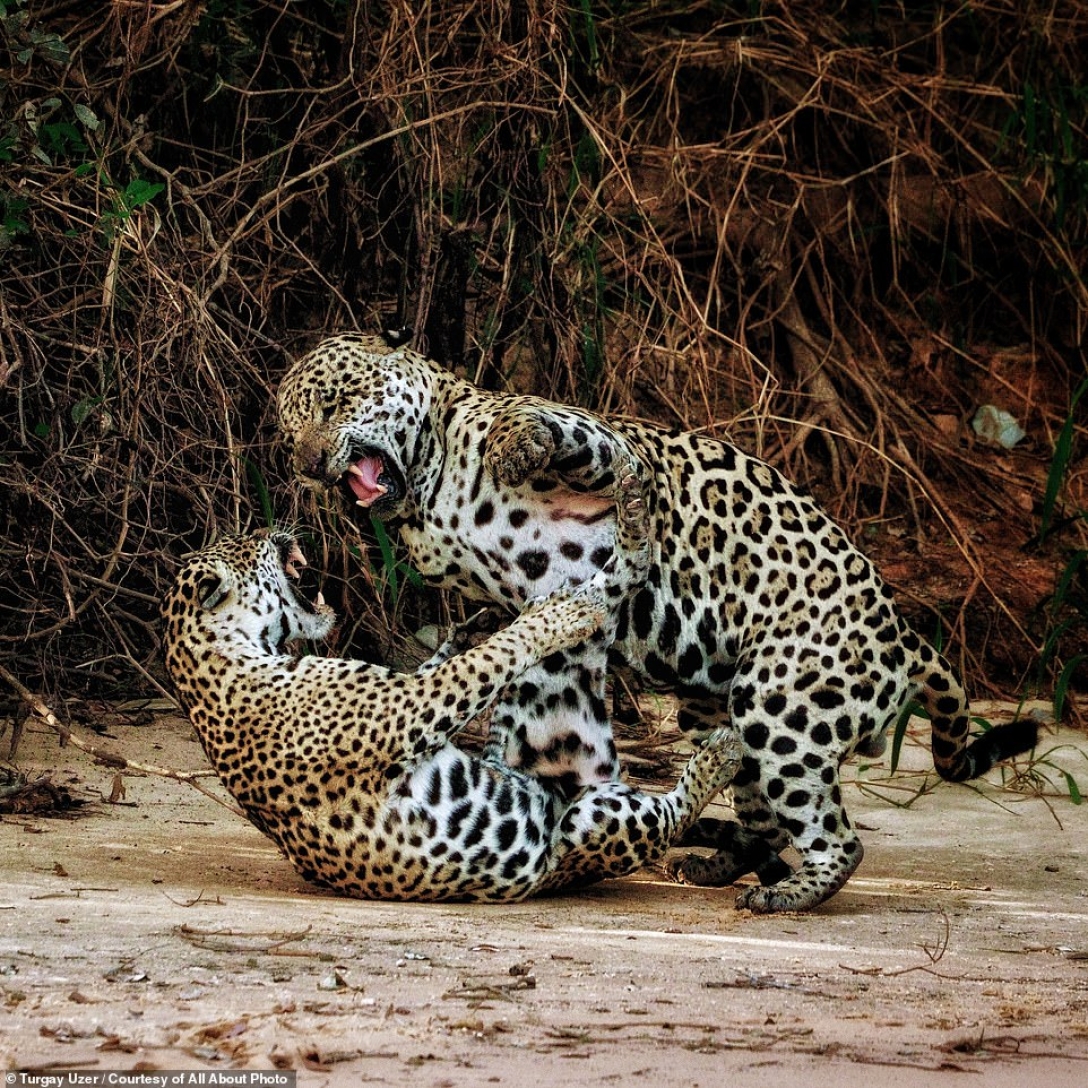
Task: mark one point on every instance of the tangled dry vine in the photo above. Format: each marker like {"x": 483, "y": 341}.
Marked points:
{"x": 833, "y": 234}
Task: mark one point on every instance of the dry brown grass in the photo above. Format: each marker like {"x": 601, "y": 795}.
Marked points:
{"x": 830, "y": 231}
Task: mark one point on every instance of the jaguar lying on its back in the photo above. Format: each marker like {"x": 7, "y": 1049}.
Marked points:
{"x": 757, "y": 610}
{"x": 348, "y": 767}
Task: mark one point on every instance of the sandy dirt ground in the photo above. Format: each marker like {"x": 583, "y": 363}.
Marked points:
{"x": 162, "y": 932}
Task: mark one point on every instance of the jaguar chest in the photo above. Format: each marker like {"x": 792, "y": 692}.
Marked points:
{"x": 509, "y": 545}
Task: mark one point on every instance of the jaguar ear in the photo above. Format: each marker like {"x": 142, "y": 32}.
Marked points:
{"x": 211, "y": 591}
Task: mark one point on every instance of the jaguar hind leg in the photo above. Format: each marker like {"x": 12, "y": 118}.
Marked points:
{"x": 829, "y": 859}
{"x": 751, "y": 843}
{"x": 612, "y": 830}
{"x": 786, "y": 793}
{"x": 799, "y": 803}
{"x": 738, "y": 852}
{"x": 553, "y": 723}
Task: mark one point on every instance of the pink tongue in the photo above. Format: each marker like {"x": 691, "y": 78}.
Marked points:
{"x": 363, "y": 480}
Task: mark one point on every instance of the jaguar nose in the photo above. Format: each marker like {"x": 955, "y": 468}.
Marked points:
{"x": 311, "y": 463}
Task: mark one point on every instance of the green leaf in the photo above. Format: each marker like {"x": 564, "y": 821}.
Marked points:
{"x": 139, "y": 192}
{"x": 84, "y": 408}
{"x": 1074, "y": 790}
{"x": 54, "y": 48}
{"x": 392, "y": 568}
{"x": 256, "y": 478}
{"x": 86, "y": 116}
{"x": 900, "y": 731}
{"x": 389, "y": 562}
{"x": 1063, "y": 450}
{"x": 1062, "y": 590}
{"x": 1061, "y": 688}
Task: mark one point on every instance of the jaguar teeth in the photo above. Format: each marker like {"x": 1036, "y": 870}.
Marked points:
{"x": 295, "y": 559}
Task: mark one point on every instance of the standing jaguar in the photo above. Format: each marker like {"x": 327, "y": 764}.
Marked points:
{"x": 757, "y": 610}
{"x": 348, "y": 767}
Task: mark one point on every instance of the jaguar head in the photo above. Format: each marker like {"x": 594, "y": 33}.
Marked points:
{"x": 350, "y": 413}
{"x": 245, "y": 588}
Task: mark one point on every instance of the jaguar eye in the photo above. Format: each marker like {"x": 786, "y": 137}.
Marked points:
{"x": 211, "y": 591}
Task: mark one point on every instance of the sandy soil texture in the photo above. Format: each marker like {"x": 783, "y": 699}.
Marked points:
{"x": 162, "y": 932}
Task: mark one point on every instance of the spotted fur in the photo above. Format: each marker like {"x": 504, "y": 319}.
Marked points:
{"x": 349, "y": 767}
{"x": 757, "y": 610}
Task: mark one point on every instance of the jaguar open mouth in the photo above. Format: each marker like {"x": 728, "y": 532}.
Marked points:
{"x": 374, "y": 482}
{"x": 294, "y": 562}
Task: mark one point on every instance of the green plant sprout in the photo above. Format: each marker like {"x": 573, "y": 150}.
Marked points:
{"x": 260, "y": 486}
{"x": 12, "y": 217}
{"x": 388, "y": 575}
{"x": 126, "y": 202}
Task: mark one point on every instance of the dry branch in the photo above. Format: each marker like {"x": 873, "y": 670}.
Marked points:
{"x": 101, "y": 755}
{"x": 829, "y": 231}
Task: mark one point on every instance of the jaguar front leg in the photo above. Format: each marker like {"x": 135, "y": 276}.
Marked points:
{"x": 440, "y": 701}
{"x": 528, "y": 440}
{"x": 463, "y": 636}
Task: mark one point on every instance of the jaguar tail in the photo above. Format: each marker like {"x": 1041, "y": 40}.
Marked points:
{"x": 956, "y": 756}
